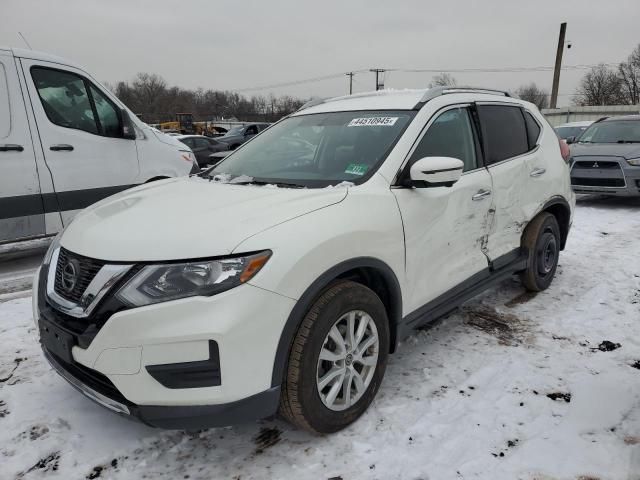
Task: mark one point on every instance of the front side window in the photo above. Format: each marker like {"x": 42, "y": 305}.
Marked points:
{"x": 613, "y": 131}
{"x": 503, "y": 132}
{"x": 108, "y": 115}
{"x": 450, "y": 135}
{"x": 71, "y": 101}
{"x": 65, "y": 99}
{"x": 318, "y": 150}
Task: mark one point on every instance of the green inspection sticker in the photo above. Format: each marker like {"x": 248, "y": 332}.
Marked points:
{"x": 357, "y": 169}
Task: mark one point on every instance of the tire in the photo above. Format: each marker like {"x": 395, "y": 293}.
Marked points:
{"x": 301, "y": 402}
{"x": 542, "y": 240}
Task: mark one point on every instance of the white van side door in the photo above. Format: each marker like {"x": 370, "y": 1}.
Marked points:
{"x": 21, "y": 206}
{"x": 80, "y": 128}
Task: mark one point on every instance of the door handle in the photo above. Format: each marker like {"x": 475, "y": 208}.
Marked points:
{"x": 536, "y": 172}
{"x": 61, "y": 147}
{"x": 11, "y": 147}
{"x": 481, "y": 195}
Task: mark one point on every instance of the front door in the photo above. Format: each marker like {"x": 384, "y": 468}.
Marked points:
{"x": 21, "y": 208}
{"x": 445, "y": 227}
{"x": 81, "y": 134}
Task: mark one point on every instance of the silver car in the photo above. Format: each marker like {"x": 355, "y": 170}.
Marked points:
{"x": 606, "y": 158}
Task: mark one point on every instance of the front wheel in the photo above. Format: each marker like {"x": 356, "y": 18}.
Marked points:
{"x": 337, "y": 359}
{"x": 542, "y": 240}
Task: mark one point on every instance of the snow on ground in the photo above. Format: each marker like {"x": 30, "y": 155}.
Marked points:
{"x": 468, "y": 398}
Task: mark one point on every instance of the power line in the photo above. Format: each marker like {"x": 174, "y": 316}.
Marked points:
{"x": 423, "y": 70}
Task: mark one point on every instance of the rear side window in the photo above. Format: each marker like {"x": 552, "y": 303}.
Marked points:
{"x": 533, "y": 130}
{"x": 503, "y": 132}
{"x": 71, "y": 101}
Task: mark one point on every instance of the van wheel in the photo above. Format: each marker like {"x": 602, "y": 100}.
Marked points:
{"x": 542, "y": 240}
{"x": 337, "y": 359}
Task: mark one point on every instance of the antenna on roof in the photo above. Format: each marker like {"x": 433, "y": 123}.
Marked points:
{"x": 25, "y": 40}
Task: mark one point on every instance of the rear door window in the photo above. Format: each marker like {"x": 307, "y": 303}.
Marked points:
{"x": 504, "y": 132}
{"x": 533, "y": 130}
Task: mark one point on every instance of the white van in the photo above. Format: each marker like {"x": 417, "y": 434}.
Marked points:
{"x": 67, "y": 142}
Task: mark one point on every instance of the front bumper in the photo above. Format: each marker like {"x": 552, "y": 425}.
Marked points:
{"x": 116, "y": 368}
{"x": 605, "y": 175}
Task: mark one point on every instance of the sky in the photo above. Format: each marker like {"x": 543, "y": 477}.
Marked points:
{"x": 242, "y": 44}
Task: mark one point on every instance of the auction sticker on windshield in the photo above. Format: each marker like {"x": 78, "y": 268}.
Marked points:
{"x": 373, "y": 122}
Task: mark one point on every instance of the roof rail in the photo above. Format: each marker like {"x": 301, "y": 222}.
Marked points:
{"x": 435, "y": 92}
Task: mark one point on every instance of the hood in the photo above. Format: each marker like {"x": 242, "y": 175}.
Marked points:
{"x": 186, "y": 218}
{"x": 626, "y": 150}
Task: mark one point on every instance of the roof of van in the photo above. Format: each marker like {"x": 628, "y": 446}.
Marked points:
{"x": 42, "y": 56}
{"x": 391, "y": 99}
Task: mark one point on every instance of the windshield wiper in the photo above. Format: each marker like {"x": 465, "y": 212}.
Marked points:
{"x": 628, "y": 141}
{"x": 262, "y": 182}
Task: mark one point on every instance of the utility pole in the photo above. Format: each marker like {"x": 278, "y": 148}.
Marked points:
{"x": 378, "y": 71}
{"x": 556, "y": 70}
{"x": 350, "y": 75}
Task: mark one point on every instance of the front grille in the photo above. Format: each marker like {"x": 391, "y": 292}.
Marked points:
{"x": 597, "y": 182}
{"x": 86, "y": 269}
{"x": 595, "y": 164}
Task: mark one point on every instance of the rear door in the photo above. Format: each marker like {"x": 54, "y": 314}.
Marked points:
{"x": 21, "y": 208}
{"x": 512, "y": 164}
{"x": 80, "y": 130}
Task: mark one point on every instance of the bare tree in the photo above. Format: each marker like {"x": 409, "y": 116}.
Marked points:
{"x": 629, "y": 73}
{"x": 532, "y": 93}
{"x": 443, "y": 79}
{"x": 600, "y": 86}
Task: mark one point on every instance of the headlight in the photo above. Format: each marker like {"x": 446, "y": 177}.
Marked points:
{"x": 635, "y": 162}
{"x": 161, "y": 283}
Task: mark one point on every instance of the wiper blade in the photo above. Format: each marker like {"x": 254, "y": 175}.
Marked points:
{"x": 262, "y": 182}
{"x": 628, "y": 141}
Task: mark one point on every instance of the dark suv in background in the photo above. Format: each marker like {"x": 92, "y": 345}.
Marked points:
{"x": 239, "y": 134}
{"x": 606, "y": 158}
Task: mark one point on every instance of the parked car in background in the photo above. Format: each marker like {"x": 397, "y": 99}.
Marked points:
{"x": 572, "y": 131}
{"x": 606, "y": 158}
{"x": 66, "y": 142}
{"x": 203, "y": 147}
{"x": 327, "y": 240}
{"x": 236, "y": 136}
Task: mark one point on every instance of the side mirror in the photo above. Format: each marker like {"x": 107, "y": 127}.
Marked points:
{"x": 128, "y": 130}
{"x": 436, "y": 172}
{"x": 570, "y": 140}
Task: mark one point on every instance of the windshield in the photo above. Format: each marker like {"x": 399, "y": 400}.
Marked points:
{"x": 235, "y": 130}
{"x": 621, "y": 131}
{"x": 318, "y": 150}
{"x": 566, "y": 132}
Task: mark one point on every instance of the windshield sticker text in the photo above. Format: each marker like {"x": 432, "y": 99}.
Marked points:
{"x": 373, "y": 122}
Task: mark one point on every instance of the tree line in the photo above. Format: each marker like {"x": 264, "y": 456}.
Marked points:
{"x": 149, "y": 95}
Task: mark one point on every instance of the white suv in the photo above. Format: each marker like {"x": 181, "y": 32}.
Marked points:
{"x": 317, "y": 247}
